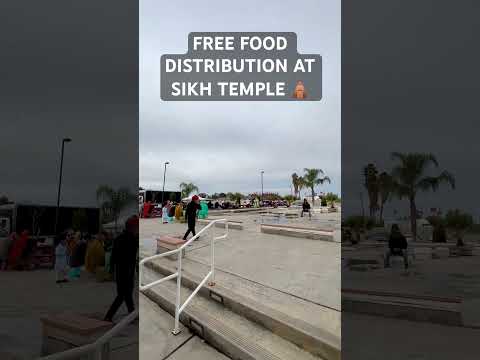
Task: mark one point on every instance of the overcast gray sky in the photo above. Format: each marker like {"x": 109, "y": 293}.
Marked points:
{"x": 61, "y": 78}
{"x": 411, "y": 87}
{"x": 222, "y": 146}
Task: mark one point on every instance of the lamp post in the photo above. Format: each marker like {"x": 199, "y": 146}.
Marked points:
{"x": 164, "y": 172}
{"x": 261, "y": 175}
{"x": 57, "y": 211}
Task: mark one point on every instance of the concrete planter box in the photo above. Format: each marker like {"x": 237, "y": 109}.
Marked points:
{"x": 440, "y": 253}
{"x": 61, "y": 332}
{"x": 168, "y": 243}
{"x": 461, "y": 250}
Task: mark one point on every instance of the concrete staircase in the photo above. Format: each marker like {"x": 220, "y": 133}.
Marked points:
{"x": 239, "y": 326}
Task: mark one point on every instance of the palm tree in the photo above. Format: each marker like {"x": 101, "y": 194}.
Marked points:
{"x": 312, "y": 179}
{"x": 385, "y": 188}
{"x": 112, "y": 201}
{"x": 301, "y": 185}
{"x": 296, "y": 182}
{"x": 187, "y": 189}
{"x": 371, "y": 184}
{"x": 409, "y": 178}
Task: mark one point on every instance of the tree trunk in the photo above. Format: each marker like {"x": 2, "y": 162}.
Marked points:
{"x": 413, "y": 218}
{"x": 381, "y": 213}
{"x": 313, "y": 197}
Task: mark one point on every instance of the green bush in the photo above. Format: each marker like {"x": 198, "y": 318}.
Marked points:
{"x": 458, "y": 222}
{"x": 357, "y": 224}
{"x": 439, "y": 232}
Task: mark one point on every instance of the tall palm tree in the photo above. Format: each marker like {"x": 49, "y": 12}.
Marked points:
{"x": 296, "y": 182}
{"x": 385, "y": 188}
{"x": 409, "y": 178}
{"x": 112, "y": 201}
{"x": 371, "y": 184}
{"x": 187, "y": 189}
{"x": 301, "y": 185}
{"x": 312, "y": 178}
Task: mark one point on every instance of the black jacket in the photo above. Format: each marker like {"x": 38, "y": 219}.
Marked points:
{"x": 124, "y": 256}
{"x": 397, "y": 241}
{"x": 191, "y": 212}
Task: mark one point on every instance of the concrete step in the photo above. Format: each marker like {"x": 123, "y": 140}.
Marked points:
{"x": 313, "y": 338}
{"x": 231, "y": 334}
{"x": 443, "y": 311}
{"x": 158, "y": 342}
{"x": 294, "y": 231}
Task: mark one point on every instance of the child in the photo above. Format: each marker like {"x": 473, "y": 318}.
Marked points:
{"x": 61, "y": 267}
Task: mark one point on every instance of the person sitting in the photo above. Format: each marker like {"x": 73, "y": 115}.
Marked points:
{"x": 306, "y": 208}
{"x": 397, "y": 246}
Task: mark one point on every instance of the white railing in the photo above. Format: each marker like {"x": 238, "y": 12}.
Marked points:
{"x": 99, "y": 349}
{"x": 178, "y": 275}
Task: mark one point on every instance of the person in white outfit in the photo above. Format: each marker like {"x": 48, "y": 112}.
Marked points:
{"x": 61, "y": 260}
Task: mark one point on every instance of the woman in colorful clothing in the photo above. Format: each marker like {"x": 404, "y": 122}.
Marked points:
{"x": 61, "y": 260}
{"x": 18, "y": 244}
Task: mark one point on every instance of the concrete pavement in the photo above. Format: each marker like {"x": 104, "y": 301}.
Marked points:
{"x": 306, "y": 268}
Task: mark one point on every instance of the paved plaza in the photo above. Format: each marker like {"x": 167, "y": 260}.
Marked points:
{"x": 308, "y": 269}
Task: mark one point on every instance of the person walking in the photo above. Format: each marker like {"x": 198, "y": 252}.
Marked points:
{"x": 191, "y": 215}
{"x": 124, "y": 262}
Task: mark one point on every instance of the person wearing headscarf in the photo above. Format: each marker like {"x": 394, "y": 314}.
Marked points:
{"x": 61, "y": 259}
{"x": 95, "y": 255}
{"x": 18, "y": 245}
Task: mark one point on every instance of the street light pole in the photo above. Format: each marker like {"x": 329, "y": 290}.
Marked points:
{"x": 164, "y": 172}
{"x": 261, "y": 174}
{"x": 57, "y": 211}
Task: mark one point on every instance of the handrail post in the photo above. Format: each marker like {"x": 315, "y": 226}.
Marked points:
{"x": 176, "y": 330}
{"x": 105, "y": 351}
{"x": 212, "y": 259}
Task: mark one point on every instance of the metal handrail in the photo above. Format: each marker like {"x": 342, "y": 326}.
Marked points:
{"x": 99, "y": 348}
{"x": 178, "y": 275}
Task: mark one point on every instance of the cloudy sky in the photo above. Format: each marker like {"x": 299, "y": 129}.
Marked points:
{"x": 411, "y": 88}
{"x": 222, "y": 146}
{"x": 66, "y": 78}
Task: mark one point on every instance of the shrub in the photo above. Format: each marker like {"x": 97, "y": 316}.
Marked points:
{"x": 357, "y": 224}
{"x": 458, "y": 222}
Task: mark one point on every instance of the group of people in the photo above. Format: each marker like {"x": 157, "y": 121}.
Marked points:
{"x": 73, "y": 250}
{"x": 191, "y": 213}
{"x": 169, "y": 209}
{"x": 172, "y": 210}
